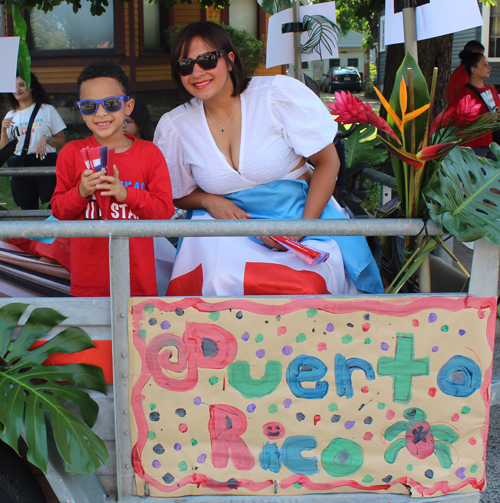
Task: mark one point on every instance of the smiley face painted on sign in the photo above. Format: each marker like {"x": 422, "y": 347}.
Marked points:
{"x": 273, "y": 430}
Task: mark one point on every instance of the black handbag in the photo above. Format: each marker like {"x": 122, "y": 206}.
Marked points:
{"x": 10, "y": 148}
{"x": 7, "y": 151}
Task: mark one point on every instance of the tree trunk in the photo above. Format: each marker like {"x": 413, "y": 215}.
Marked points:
{"x": 434, "y": 52}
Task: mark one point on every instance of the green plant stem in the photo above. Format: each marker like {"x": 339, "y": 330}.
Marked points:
{"x": 412, "y": 108}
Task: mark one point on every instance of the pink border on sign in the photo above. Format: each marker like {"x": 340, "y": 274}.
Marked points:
{"x": 395, "y": 306}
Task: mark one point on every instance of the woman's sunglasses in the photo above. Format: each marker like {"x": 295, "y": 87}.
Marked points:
{"x": 206, "y": 61}
{"x": 112, "y": 104}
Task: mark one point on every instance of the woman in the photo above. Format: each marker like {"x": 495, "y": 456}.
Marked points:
{"x": 238, "y": 150}
{"x": 138, "y": 123}
{"x": 478, "y": 69}
{"x": 46, "y": 135}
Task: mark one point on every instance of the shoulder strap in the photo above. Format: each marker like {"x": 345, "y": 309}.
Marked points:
{"x": 475, "y": 91}
{"x": 27, "y": 138}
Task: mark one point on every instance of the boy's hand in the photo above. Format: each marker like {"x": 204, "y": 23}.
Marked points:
{"x": 89, "y": 182}
{"x": 111, "y": 186}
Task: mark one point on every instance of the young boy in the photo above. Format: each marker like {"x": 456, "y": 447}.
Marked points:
{"x": 136, "y": 187}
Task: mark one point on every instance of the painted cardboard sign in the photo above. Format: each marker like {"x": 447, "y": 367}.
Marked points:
{"x": 298, "y": 396}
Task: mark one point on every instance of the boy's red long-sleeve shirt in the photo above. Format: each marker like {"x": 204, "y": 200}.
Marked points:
{"x": 143, "y": 171}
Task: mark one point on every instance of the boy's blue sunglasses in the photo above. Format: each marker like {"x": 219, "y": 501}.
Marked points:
{"x": 111, "y": 104}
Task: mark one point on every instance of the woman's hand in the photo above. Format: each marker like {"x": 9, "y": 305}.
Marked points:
{"x": 221, "y": 208}
{"x": 41, "y": 147}
{"x": 111, "y": 186}
{"x": 6, "y": 123}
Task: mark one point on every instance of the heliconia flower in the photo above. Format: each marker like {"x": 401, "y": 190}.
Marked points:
{"x": 352, "y": 110}
{"x": 466, "y": 111}
{"x": 434, "y": 151}
{"x": 407, "y": 157}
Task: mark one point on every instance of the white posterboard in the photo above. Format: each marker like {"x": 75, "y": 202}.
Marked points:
{"x": 434, "y": 18}
{"x": 9, "y": 48}
{"x": 280, "y": 45}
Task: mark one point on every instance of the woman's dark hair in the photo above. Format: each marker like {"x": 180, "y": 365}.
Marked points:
{"x": 470, "y": 59}
{"x": 140, "y": 115}
{"x": 473, "y": 46}
{"x": 39, "y": 94}
{"x": 215, "y": 36}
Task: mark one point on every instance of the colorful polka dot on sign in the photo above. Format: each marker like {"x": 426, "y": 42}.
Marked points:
{"x": 462, "y": 332}
{"x": 152, "y": 321}
{"x": 179, "y": 311}
{"x": 415, "y": 323}
{"x": 287, "y": 402}
{"x": 465, "y": 409}
{"x": 300, "y": 417}
{"x": 183, "y": 428}
{"x": 272, "y": 409}
{"x": 432, "y": 392}
{"x": 149, "y": 307}
{"x": 151, "y": 435}
{"x": 368, "y": 436}
{"x": 409, "y": 467}
{"x": 472, "y": 441}
{"x": 387, "y": 479}
{"x": 214, "y": 316}
{"x": 287, "y": 350}
{"x": 180, "y": 412}
{"x": 364, "y": 389}
{"x": 445, "y": 328}
{"x": 156, "y": 464}
{"x": 245, "y": 336}
{"x": 213, "y": 380}
{"x": 455, "y": 417}
{"x": 460, "y": 473}
{"x": 183, "y": 466}
{"x": 474, "y": 468}
{"x": 481, "y": 314}
{"x": 432, "y": 318}
{"x": 301, "y": 338}
{"x": 333, "y": 407}
{"x": 152, "y": 406}
{"x": 384, "y": 346}
{"x": 367, "y": 479}
{"x": 348, "y": 425}
{"x": 330, "y": 327}
{"x": 259, "y": 338}
{"x": 347, "y": 339}
{"x": 365, "y": 327}
{"x": 260, "y": 353}
{"x": 311, "y": 313}
{"x": 201, "y": 458}
{"x": 281, "y": 331}
{"x": 177, "y": 446}
{"x": 197, "y": 400}
{"x": 154, "y": 416}
{"x": 194, "y": 442}
{"x": 251, "y": 408}
{"x": 429, "y": 473}
{"x": 367, "y": 341}
{"x": 435, "y": 349}
{"x": 381, "y": 406}
{"x": 142, "y": 334}
{"x": 165, "y": 325}
{"x": 390, "y": 415}
{"x": 322, "y": 346}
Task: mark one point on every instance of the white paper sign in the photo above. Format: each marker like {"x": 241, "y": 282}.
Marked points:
{"x": 280, "y": 45}
{"x": 9, "y": 48}
{"x": 434, "y": 18}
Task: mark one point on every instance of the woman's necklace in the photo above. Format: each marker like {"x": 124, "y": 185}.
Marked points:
{"x": 225, "y": 125}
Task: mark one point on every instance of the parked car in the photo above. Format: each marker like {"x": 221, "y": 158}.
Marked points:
{"x": 337, "y": 78}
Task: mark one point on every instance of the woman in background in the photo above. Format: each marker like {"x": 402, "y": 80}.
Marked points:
{"x": 47, "y": 134}
{"x": 138, "y": 123}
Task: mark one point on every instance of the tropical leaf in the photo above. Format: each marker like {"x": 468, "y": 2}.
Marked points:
{"x": 274, "y": 6}
{"x": 322, "y": 32}
{"x": 464, "y": 195}
{"x": 360, "y": 147}
{"x": 31, "y": 392}
{"x": 23, "y": 58}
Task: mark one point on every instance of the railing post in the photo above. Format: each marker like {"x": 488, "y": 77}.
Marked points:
{"x": 484, "y": 271}
{"x": 119, "y": 272}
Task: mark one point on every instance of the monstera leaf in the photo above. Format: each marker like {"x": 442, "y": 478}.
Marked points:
{"x": 360, "y": 146}
{"x": 464, "y": 196}
{"x": 31, "y": 392}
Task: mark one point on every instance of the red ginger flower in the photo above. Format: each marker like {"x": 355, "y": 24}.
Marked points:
{"x": 351, "y": 110}
{"x": 466, "y": 111}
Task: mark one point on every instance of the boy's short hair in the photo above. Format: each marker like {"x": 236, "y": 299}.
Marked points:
{"x": 104, "y": 69}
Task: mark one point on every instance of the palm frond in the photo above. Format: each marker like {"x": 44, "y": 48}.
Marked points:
{"x": 322, "y": 33}
{"x": 274, "y": 6}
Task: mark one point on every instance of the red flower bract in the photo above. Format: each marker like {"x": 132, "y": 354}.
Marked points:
{"x": 466, "y": 111}
{"x": 351, "y": 110}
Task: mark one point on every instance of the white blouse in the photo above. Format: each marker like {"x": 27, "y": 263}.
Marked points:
{"x": 282, "y": 121}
